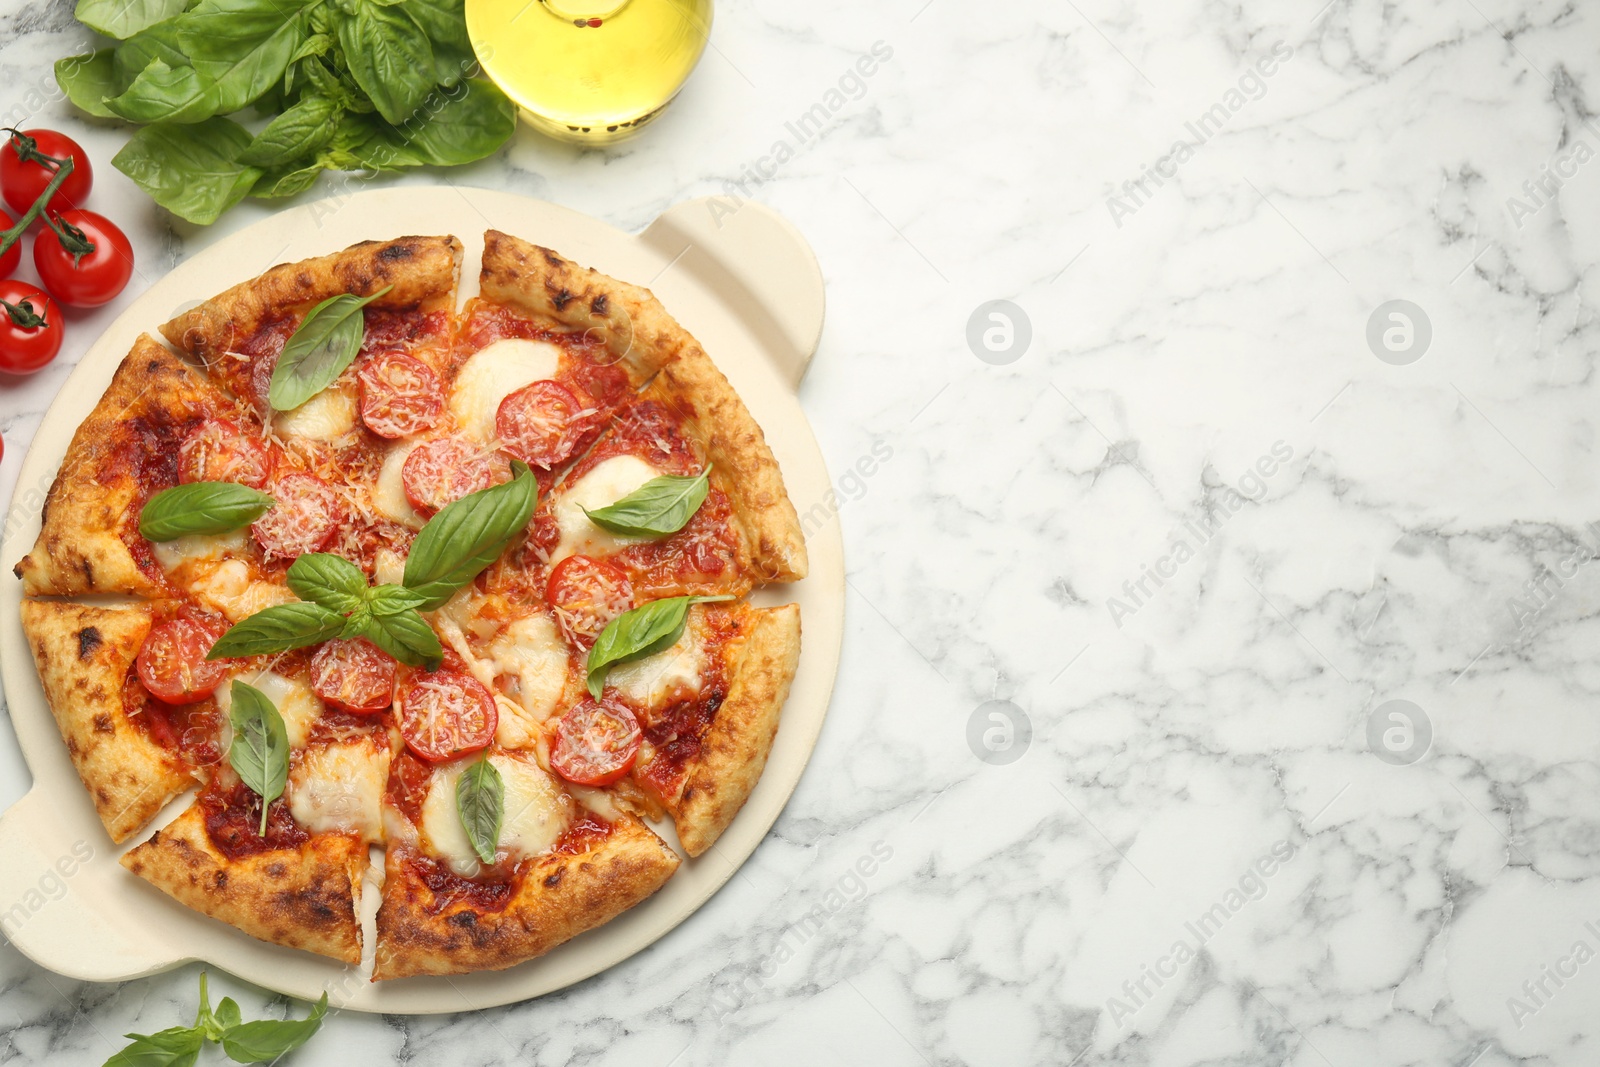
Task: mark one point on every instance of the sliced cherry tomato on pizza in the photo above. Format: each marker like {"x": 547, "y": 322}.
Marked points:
{"x": 400, "y": 394}
{"x": 587, "y": 593}
{"x": 305, "y": 518}
{"x": 218, "y": 451}
{"x": 596, "y": 742}
{"x": 445, "y": 714}
{"x": 172, "y": 661}
{"x": 353, "y": 675}
{"x": 440, "y": 472}
{"x": 542, "y": 424}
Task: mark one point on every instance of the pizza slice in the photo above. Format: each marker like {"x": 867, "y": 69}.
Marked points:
{"x": 294, "y": 878}
{"x": 125, "y": 450}
{"x": 564, "y": 862}
{"x": 687, "y": 423}
{"x": 85, "y": 657}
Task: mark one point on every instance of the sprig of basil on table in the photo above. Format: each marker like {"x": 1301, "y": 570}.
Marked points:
{"x": 201, "y": 508}
{"x": 321, "y": 347}
{"x": 659, "y": 507}
{"x": 481, "y": 802}
{"x": 259, "y": 753}
{"x": 261, "y": 1041}
{"x": 347, "y": 84}
{"x": 468, "y": 535}
{"x": 643, "y": 631}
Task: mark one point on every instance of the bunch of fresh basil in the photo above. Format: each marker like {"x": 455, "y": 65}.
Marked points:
{"x": 368, "y": 85}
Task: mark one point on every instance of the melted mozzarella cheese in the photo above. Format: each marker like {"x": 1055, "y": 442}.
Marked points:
{"x": 228, "y": 587}
{"x": 194, "y": 547}
{"x": 494, "y": 373}
{"x": 389, "y": 491}
{"x": 338, "y": 788}
{"x": 532, "y": 652}
{"x": 327, "y": 416}
{"x": 295, "y": 701}
{"x": 536, "y": 814}
{"x": 607, "y": 483}
{"x": 388, "y": 568}
{"x": 652, "y": 681}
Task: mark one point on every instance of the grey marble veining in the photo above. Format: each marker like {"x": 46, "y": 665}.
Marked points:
{"x": 1128, "y": 609}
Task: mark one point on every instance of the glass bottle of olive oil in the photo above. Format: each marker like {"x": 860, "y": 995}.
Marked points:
{"x": 590, "y": 71}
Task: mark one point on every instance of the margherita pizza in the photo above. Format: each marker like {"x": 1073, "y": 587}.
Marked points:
{"x": 466, "y": 584}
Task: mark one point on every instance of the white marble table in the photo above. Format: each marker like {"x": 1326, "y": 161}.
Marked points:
{"x": 1194, "y": 538}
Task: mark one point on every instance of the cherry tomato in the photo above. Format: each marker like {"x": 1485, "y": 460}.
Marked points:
{"x": 596, "y": 743}
{"x": 23, "y": 175}
{"x": 172, "y": 661}
{"x": 306, "y": 517}
{"x": 400, "y": 394}
{"x": 542, "y": 424}
{"x": 444, "y": 470}
{"x": 353, "y": 675}
{"x": 445, "y": 714}
{"x": 30, "y": 327}
{"x": 13, "y": 255}
{"x": 587, "y": 593}
{"x": 218, "y": 451}
{"x": 84, "y": 279}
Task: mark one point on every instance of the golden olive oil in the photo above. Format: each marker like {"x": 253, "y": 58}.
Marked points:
{"x": 585, "y": 71}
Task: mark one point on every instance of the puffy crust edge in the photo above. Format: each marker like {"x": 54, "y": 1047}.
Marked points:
{"x": 422, "y": 270}
{"x": 84, "y": 654}
{"x": 557, "y": 898}
{"x": 153, "y": 397}
{"x": 303, "y": 898}
{"x": 734, "y": 751}
{"x": 743, "y": 465}
{"x": 538, "y": 280}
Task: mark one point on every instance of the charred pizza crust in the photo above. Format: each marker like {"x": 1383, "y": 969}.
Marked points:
{"x": 91, "y": 513}
{"x": 84, "y": 655}
{"x": 734, "y": 751}
{"x": 636, "y": 329}
{"x": 422, "y": 272}
{"x": 555, "y": 898}
{"x": 300, "y": 897}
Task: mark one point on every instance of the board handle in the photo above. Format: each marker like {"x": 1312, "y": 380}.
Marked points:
{"x": 746, "y": 247}
{"x": 48, "y": 898}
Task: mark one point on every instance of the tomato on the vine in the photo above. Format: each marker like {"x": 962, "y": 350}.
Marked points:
{"x": 30, "y": 327}
{"x": 29, "y": 160}
{"x": 85, "y": 261}
{"x": 13, "y": 255}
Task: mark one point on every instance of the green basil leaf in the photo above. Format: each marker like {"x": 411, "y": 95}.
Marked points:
{"x": 278, "y": 183}
{"x": 644, "y": 631}
{"x": 227, "y": 1014}
{"x": 659, "y": 507}
{"x": 89, "y": 79}
{"x": 468, "y": 535}
{"x": 243, "y": 46}
{"x": 178, "y": 1046}
{"x": 124, "y": 18}
{"x": 407, "y": 637}
{"x": 278, "y": 629}
{"x": 191, "y": 170}
{"x": 319, "y": 350}
{"x": 259, "y": 753}
{"x": 356, "y": 623}
{"x": 472, "y": 120}
{"x": 393, "y": 599}
{"x": 389, "y": 57}
{"x": 267, "y": 1039}
{"x": 331, "y": 581}
{"x": 201, "y": 508}
{"x": 445, "y": 24}
{"x": 165, "y": 93}
{"x": 158, "y": 42}
{"x": 481, "y": 802}
{"x": 295, "y": 135}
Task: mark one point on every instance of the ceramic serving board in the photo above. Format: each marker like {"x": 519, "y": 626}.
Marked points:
{"x": 745, "y": 284}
